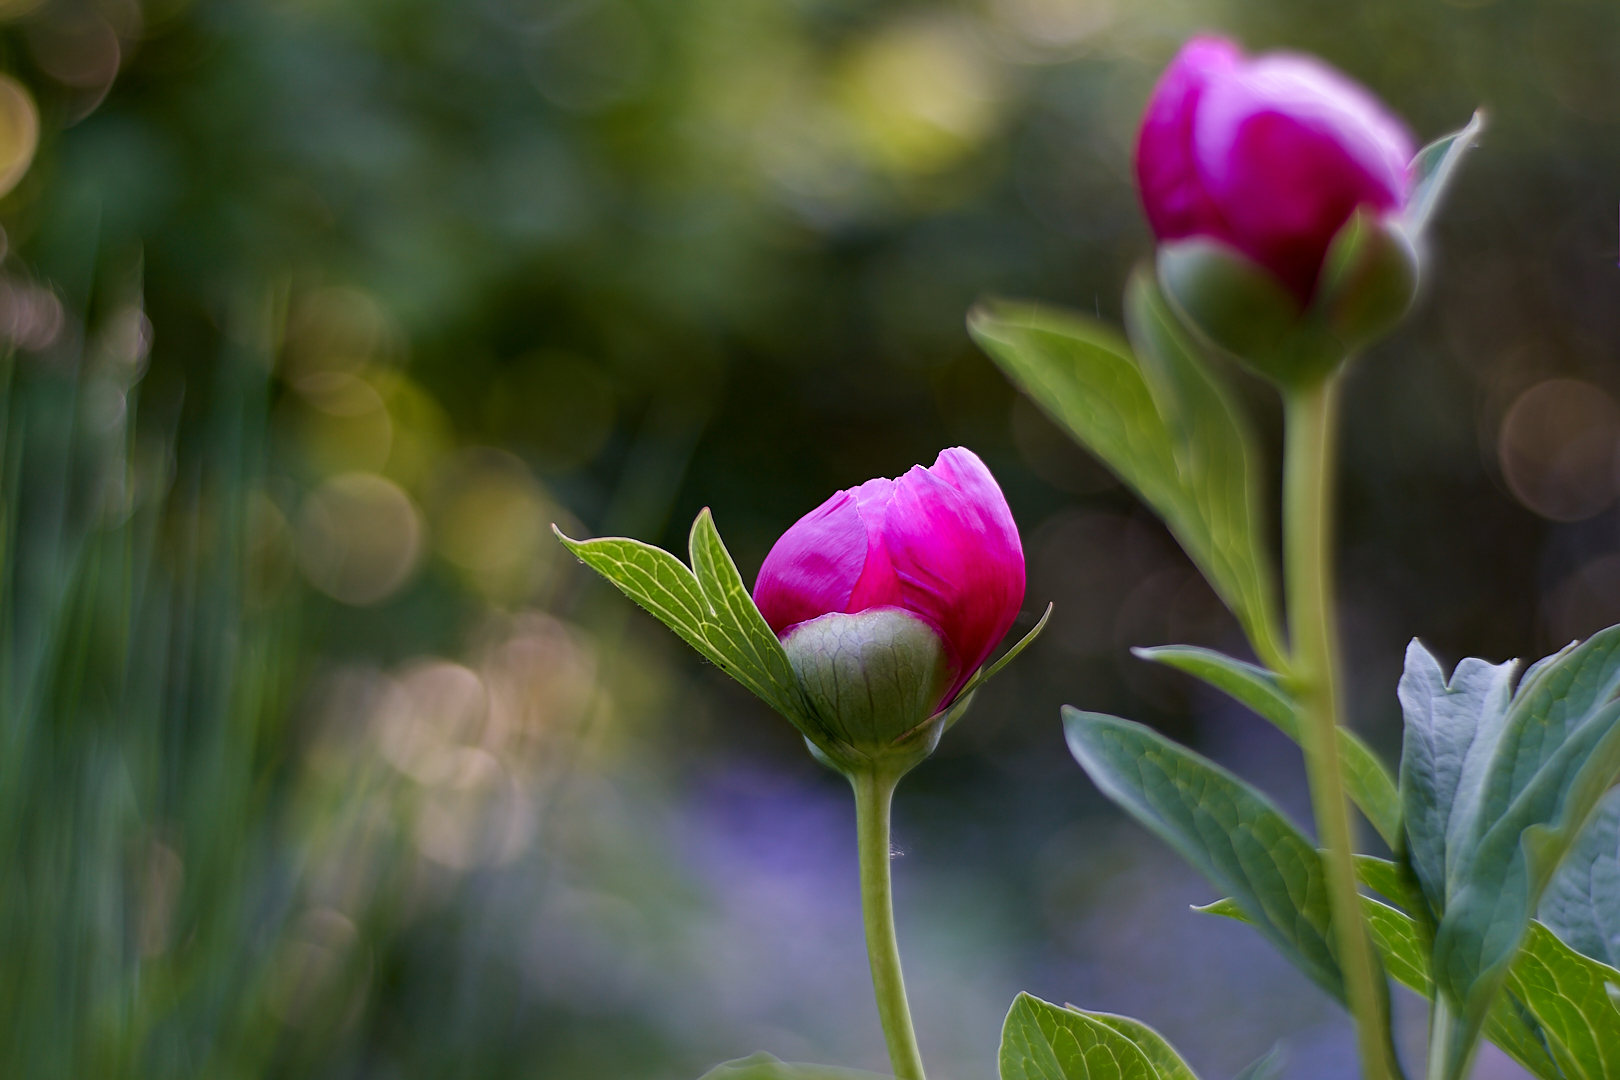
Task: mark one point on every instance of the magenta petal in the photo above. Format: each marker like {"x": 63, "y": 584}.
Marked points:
{"x": 1288, "y": 148}
{"x": 1166, "y": 170}
{"x": 955, "y": 550}
{"x": 813, "y": 567}
{"x": 877, "y": 586}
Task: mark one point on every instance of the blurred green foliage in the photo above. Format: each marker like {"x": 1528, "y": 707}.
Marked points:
{"x": 314, "y": 738}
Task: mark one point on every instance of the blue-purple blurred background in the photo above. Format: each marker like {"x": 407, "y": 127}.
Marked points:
{"x": 321, "y": 759}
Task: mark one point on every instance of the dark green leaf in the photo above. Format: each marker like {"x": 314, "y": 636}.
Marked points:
{"x": 1226, "y": 829}
{"x": 763, "y": 1066}
{"x": 1366, "y": 779}
{"x": 1041, "y": 1041}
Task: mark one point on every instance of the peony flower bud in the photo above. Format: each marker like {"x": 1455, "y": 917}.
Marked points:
{"x": 889, "y": 596}
{"x": 1267, "y": 180}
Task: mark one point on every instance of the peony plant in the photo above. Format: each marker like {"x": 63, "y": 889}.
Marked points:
{"x": 1290, "y": 213}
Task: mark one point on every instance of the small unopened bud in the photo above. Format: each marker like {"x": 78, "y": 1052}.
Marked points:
{"x": 874, "y": 677}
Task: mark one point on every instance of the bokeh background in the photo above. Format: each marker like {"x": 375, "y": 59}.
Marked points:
{"x": 320, "y": 758}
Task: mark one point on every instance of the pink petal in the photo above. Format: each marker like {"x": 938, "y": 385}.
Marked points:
{"x": 1166, "y": 170}
{"x": 814, "y": 566}
{"x": 955, "y": 550}
{"x": 877, "y": 586}
{"x": 1288, "y": 148}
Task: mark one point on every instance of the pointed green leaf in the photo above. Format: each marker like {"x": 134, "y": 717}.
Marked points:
{"x": 1216, "y": 455}
{"x": 1268, "y": 1066}
{"x": 1432, "y": 171}
{"x": 1041, "y": 1041}
{"x": 737, "y": 629}
{"x": 1582, "y": 903}
{"x": 1404, "y": 952}
{"x": 763, "y": 1066}
{"x": 1558, "y": 752}
{"x": 714, "y": 615}
{"x": 985, "y": 674}
{"x": 1447, "y": 726}
{"x": 1569, "y": 996}
{"x": 1193, "y": 475}
{"x": 1228, "y": 831}
{"x": 1366, "y": 779}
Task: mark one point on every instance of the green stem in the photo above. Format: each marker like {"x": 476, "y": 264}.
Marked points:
{"x": 874, "y": 791}
{"x": 1307, "y": 544}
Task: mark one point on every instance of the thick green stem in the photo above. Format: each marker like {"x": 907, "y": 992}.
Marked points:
{"x": 1307, "y": 545}
{"x": 873, "y": 792}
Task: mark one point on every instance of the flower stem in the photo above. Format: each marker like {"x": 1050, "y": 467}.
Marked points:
{"x": 1307, "y": 543}
{"x": 874, "y": 790}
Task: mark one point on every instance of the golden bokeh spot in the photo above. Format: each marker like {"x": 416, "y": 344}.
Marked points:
{"x": 359, "y": 538}
{"x": 19, "y": 132}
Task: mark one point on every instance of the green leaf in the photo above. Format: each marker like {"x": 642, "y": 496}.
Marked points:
{"x": 1195, "y": 470}
{"x": 1404, "y": 952}
{"x": 1041, "y": 1041}
{"x": 1582, "y": 903}
{"x": 1570, "y": 997}
{"x": 959, "y": 707}
{"x": 1268, "y": 1066}
{"x": 1447, "y": 726}
{"x": 1558, "y": 752}
{"x": 1230, "y": 832}
{"x": 1432, "y": 171}
{"x": 1366, "y": 779}
{"x": 763, "y": 1066}
{"x": 710, "y": 610}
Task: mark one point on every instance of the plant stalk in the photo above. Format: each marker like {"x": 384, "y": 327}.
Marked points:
{"x": 1308, "y": 493}
{"x": 874, "y": 791}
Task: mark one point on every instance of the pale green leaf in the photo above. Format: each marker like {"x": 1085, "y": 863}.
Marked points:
{"x": 1366, "y": 779}
{"x": 1582, "y": 903}
{"x": 1569, "y": 996}
{"x": 763, "y": 1066}
{"x": 1432, "y": 171}
{"x": 1228, "y": 831}
{"x": 1087, "y": 379}
{"x": 1041, "y": 1041}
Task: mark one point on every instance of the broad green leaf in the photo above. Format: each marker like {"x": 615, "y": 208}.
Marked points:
{"x": 1404, "y": 952}
{"x": 1230, "y": 832}
{"x": 1381, "y": 876}
{"x": 1447, "y": 725}
{"x": 1582, "y": 903}
{"x": 1087, "y": 379}
{"x": 1041, "y": 1041}
{"x": 1432, "y": 171}
{"x": 1166, "y": 1062}
{"x": 763, "y": 1066}
{"x": 1569, "y": 996}
{"x": 1366, "y": 779}
{"x": 714, "y": 615}
{"x": 1216, "y": 455}
{"x": 1558, "y": 752}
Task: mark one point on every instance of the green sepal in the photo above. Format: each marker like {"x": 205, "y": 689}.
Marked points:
{"x": 711, "y": 610}
{"x": 1232, "y": 301}
{"x": 1368, "y": 281}
{"x": 1042, "y": 1041}
{"x": 1432, "y": 171}
{"x": 1367, "y": 780}
{"x": 763, "y": 1066}
{"x": 954, "y": 712}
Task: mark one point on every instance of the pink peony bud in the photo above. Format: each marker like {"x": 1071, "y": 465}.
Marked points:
{"x": 1270, "y": 156}
{"x": 934, "y": 557}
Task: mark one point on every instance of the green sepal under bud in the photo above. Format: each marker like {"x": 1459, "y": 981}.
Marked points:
{"x": 1240, "y": 308}
{"x": 1369, "y": 279}
{"x": 875, "y": 678}
{"x": 1233, "y": 301}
